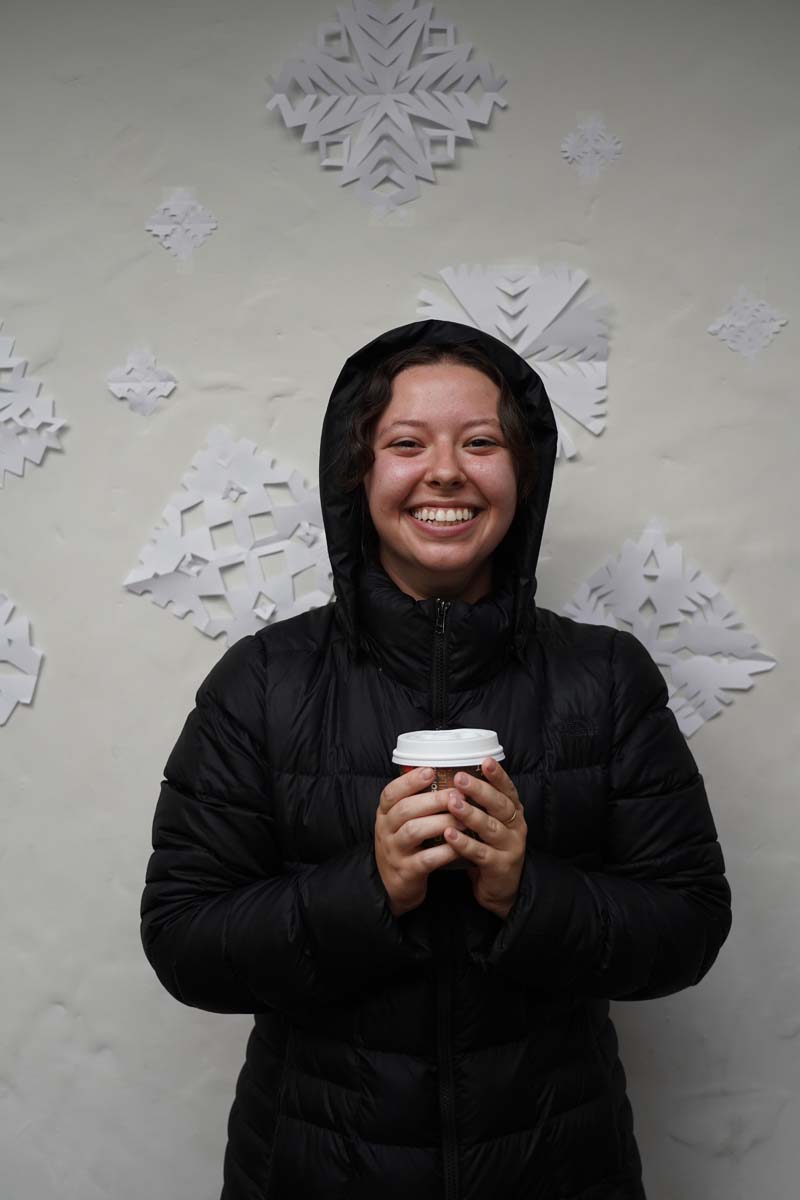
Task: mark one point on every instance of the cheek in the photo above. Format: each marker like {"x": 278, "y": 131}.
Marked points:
{"x": 395, "y": 482}
{"x": 497, "y": 481}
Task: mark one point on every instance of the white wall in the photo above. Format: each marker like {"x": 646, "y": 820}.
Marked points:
{"x": 108, "y": 1087}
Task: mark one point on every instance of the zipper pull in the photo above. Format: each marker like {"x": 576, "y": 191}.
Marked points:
{"x": 441, "y": 612}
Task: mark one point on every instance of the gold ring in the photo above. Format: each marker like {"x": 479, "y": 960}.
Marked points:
{"x": 513, "y": 819}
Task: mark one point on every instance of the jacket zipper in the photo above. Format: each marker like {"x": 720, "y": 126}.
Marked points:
{"x": 440, "y": 665}
{"x": 443, "y": 963}
{"x": 445, "y": 1031}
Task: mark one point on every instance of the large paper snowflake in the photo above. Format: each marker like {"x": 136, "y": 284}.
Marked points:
{"x": 386, "y": 94}
{"x": 181, "y": 223}
{"x": 18, "y": 684}
{"x": 141, "y": 382}
{"x": 748, "y": 324}
{"x": 689, "y": 627}
{"x": 536, "y": 311}
{"x": 240, "y": 546}
{"x": 590, "y": 147}
{"x": 28, "y": 428}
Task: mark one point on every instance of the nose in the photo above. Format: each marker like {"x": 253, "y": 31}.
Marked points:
{"x": 444, "y": 469}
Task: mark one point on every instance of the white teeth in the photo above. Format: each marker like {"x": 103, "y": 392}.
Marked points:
{"x": 443, "y": 516}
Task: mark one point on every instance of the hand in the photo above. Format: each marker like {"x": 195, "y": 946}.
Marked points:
{"x": 495, "y": 862}
{"x": 406, "y": 818}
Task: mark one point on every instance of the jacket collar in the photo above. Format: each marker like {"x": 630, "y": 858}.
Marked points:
{"x": 398, "y": 632}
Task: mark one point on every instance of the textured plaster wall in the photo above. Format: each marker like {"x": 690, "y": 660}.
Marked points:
{"x": 108, "y": 1087}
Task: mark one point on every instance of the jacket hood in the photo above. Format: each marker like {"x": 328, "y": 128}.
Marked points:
{"x": 346, "y": 516}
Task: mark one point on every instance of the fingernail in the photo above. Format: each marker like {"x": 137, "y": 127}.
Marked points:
{"x": 489, "y": 765}
{"x": 458, "y": 803}
{"x": 461, "y": 780}
{"x": 427, "y": 773}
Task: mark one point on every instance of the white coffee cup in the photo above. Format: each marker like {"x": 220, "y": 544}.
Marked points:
{"x": 447, "y": 751}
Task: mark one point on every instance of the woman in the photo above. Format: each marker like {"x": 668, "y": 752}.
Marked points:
{"x": 418, "y": 1031}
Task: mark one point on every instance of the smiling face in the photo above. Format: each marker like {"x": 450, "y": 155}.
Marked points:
{"x": 439, "y": 447}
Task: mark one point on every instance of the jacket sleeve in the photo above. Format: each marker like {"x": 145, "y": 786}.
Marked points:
{"x": 653, "y": 919}
{"x": 228, "y": 926}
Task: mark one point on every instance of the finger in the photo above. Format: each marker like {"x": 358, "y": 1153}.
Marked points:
{"x": 495, "y": 772}
{"x": 420, "y": 829}
{"x": 467, "y": 847}
{"x": 408, "y": 784}
{"x": 497, "y": 777}
{"x": 502, "y": 804}
{"x": 425, "y": 804}
{"x": 487, "y": 826}
{"x": 434, "y": 857}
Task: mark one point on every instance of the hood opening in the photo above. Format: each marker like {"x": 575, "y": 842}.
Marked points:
{"x": 351, "y": 536}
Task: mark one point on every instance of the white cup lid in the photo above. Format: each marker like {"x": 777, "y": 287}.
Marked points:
{"x": 446, "y": 748}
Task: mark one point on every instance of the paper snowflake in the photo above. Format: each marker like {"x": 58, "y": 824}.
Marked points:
{"x": 229, "y": 551}
{"x": 141, "y": 382}
{"x": 536, "y": 311}
{"x": 689, "y": 627}
{"x": 181, "y": 223}
{"x": 748, "y": 325}
{"x": 386, "y": 94}
{"x": 590, "y": 147}
{"x": 28, "y": 428}
{"x": 16, "y": 649}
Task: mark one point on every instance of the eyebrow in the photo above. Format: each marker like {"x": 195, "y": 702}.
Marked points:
{"x": 424, "y": 424}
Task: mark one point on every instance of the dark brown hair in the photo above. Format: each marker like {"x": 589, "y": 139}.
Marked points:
{"x": 357, "y": 455}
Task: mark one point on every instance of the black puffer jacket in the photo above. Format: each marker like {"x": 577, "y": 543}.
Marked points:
{"x": 447, "y": 1054}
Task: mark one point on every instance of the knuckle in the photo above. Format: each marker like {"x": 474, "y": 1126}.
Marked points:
{"x": 427, "y": 861}
{"x": 397, "y": 814}
{"x": 493, "y": 825}
{"x": 411, "y": 831}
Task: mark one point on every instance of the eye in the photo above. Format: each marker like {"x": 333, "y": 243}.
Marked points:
{"x": 409, "y": 443}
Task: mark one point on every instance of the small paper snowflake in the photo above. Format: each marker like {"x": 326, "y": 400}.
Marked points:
{"x": 181, "y": 223}
{"x": 681, "y": 616}
{"x": 590, "y": 147}
{"x": 748, "y": 325}
{"x": 141, "y": 382}
{"x": 28, "y": 428}
{"x": 231, "y": 553}
{"x": 536, "y": 311}
{"x": 16, "y": 649}
{"x": 386, "y": 95}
